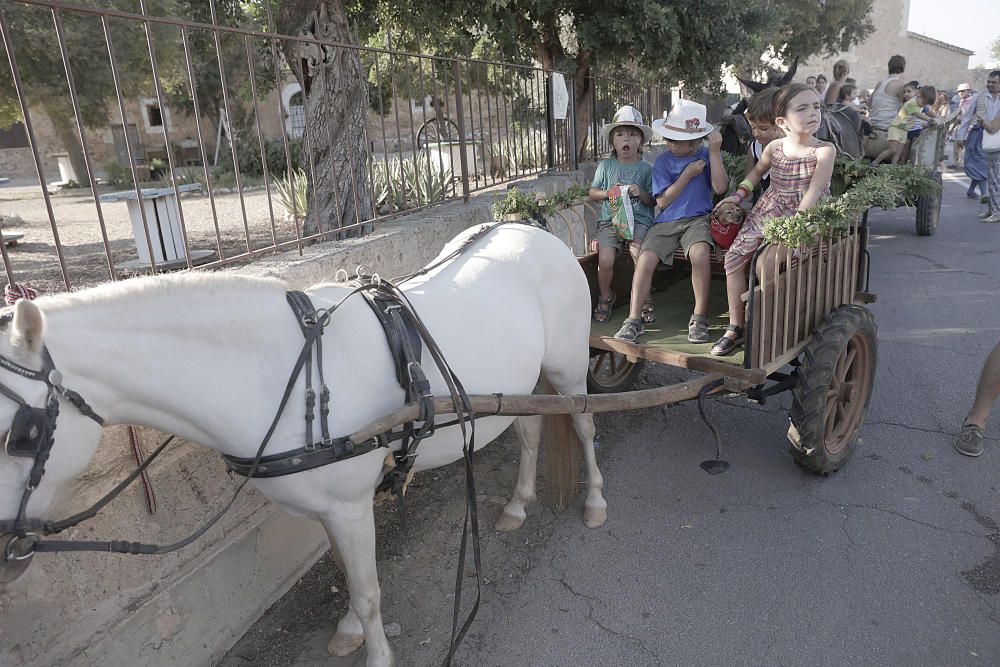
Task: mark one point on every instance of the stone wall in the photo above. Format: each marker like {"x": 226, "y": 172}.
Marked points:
{"x": 187, "y": 608}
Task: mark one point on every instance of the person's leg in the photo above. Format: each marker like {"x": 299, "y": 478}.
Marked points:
{"x": 642, "y": 279}
{"x": 605, "y": 270}
{"x": 973, "y": 432}
{"x": 700, "y": 256}
{"x": 987, "y": 390}
{"x": 886, "y": 154}
{"x": 993, "y": 183}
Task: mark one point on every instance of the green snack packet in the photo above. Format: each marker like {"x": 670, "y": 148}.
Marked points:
{"x": 621, "y": 212}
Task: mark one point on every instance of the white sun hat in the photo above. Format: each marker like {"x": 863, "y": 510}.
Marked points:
{"x": 686, "y": 120}
{"x": 627, "y": 115}
{"x": 963, "y": 86}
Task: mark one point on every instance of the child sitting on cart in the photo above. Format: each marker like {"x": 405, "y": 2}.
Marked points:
{"x": 760, "y": 115}
{"x": 683, "y": 187}
{"x": 801, "y": 167}
{"x": 621, "y": 181}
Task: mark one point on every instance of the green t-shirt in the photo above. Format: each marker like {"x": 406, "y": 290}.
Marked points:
{"x": 903, "y": 120}
{"x": 611, "y": 172}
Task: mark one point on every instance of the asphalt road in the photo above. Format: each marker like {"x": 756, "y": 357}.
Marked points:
{"x": 894, "y": 559}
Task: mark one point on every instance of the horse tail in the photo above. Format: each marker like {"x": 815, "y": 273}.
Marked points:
{"x": 562, "y": 454}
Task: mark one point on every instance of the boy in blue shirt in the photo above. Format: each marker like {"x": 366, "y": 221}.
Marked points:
{"x": 682, "y": 187}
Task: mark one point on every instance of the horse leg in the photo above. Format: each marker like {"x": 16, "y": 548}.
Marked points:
{"x": 353, "y": 532}
{"x": 529, "y": 429}
{"x": 350, "y": 635}
{"x": 595, "y": 507}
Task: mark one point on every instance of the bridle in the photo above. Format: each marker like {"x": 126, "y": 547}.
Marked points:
{"x": 31, "y": 435}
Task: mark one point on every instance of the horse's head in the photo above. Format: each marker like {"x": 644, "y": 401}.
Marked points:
{"x": 37, "y": 459}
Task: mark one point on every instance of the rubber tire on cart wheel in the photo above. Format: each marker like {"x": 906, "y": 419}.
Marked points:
{"x": 830, "y": 399}
{"x": 611, "y": 372}
{"x": 929, "y": 209}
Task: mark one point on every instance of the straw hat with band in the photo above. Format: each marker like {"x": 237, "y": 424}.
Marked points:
{"x": 686, "y": 120}
{"x": 627, "y": 115}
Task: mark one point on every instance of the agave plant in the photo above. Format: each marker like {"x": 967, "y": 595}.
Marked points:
{"x": 292, "y": 190}
{"x": 402, "y": 183}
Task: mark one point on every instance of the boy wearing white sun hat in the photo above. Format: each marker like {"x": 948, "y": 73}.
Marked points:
{"x": 682, "y": 187}
{"x": 622, "y": 181}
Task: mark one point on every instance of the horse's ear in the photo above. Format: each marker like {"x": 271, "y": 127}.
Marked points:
{"x": 790, "y": 74}
{"x": 28, "y": 326}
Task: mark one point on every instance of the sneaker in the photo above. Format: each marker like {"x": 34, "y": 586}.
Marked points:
{"x": 698, "y": 330}
{"x": 992, "y": 218}
{"x": 984, "y": 200}
{"x": 984, "y": 215}
{"x": 631, "y": 330}
{"x": 970, "y": 195}
{"x": 970, "y": 440}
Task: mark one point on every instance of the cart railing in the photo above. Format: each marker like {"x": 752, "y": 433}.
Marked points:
{"x": 791, "y": 290}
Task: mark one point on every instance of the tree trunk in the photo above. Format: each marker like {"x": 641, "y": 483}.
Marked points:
{"x": 334, "y": 155}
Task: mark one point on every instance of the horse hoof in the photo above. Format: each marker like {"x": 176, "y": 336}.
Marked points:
{"x": 594, "y": 517}
{"x": 507, "y": 523}
{"x": 343, "y": 645}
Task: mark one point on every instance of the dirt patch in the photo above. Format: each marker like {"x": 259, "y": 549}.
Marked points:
{"x": 35, "y": 262}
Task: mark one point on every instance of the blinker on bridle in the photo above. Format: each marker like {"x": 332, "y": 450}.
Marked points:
{"x": 31, "y": 435}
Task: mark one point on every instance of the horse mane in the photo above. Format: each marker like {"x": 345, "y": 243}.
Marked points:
{"x": 148, "y": 286}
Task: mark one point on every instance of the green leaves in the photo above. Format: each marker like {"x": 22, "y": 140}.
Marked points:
{"x": 885, "y": 187}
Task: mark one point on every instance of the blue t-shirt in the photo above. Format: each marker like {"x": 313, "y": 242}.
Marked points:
{"x": 611, "y": 172}
{"x": 695, "y": 198}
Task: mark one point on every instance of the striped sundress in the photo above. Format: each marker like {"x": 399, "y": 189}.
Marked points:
{"x": 790, "y": 178}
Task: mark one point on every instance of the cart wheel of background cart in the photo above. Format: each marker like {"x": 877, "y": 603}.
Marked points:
{"x": 611, "y": 372}
{"x": 830, "y": 400}
{"x": 929, "y": 209}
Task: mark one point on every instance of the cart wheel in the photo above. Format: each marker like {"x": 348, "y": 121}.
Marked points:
{"x": 929, "y": 209}
{"x": 830, "y": 400}
{"x": 437, "y": 130}
{"x": 611, "y": 372}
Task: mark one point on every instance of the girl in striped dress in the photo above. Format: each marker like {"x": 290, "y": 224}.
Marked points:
{"x": 801, "y": 166}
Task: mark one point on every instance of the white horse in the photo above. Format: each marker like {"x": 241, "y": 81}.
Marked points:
{"x": 513, "y": 307}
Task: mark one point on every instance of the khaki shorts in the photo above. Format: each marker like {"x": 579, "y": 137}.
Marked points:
{"x": 664, "y": 237}
{"x": 897, "y": 134}
{"x": 607, "y": 237}
{"x": 875, "y": 143}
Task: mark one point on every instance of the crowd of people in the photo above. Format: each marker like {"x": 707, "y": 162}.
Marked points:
{"x": 897, "y": 110}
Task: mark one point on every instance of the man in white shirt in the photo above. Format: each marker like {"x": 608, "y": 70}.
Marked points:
{"x": 886, "y": 100}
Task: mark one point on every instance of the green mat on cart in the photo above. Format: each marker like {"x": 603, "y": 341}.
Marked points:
{"x": 673, "y": 306}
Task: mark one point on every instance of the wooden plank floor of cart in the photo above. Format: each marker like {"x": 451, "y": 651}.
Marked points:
{"x": 665, "y": 340}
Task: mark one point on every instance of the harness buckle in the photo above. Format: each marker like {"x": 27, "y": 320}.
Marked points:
{"x": 9, "y": 553}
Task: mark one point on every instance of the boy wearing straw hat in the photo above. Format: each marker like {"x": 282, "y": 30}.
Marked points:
{"x": 683, "y": 188}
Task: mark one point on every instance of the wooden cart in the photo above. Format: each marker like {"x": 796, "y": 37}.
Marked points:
{"x": 808, "y": 332}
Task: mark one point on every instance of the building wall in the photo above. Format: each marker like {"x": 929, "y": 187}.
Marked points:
{"x": 927, "y": 60}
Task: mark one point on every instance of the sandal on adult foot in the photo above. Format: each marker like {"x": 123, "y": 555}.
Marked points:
{"x": 970, "y": 440}
{"x": 603, "y": 310}
{"x": 698, "y": 329}
{"x": 647, "y": 315}
{"x": 726, "y": 345}
{"x": 631, "y": 330}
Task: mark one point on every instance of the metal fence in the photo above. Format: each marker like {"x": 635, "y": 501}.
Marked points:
{"x": 214, "y": 176}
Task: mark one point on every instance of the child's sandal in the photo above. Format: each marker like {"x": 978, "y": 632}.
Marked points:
{"x": 602, "y": 313}
{"x": 647, "y": 315}
{"x": 726, "y": 345}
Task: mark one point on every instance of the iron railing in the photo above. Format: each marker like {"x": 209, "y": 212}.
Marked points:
{"x": 436, "y": 128}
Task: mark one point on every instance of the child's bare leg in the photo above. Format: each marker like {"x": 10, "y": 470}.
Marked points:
{"x": 885, "y": 154}
{"x": 633, "y": 249}
{"x": 736, "y": 285}
{"x": 605, "y": 270}
{"x": 641, "y": 281}
{"x": 700, "y": 256}
{"x": 900, "y": 147}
